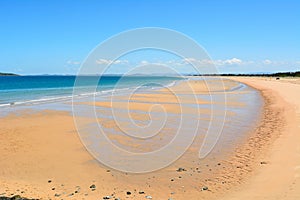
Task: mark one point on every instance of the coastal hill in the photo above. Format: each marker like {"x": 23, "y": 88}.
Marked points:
{"x": 8, "y": 74}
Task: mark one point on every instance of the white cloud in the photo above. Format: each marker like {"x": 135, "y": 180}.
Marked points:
{"x": 144, "y": 62}
{"x": 233, "y": 61}
{"x": 102, "y": 61}
{"x": 267, "y": 62}
{"x": 70, "y": 62}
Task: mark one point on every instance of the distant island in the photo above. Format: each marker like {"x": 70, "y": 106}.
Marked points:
{"x": 8, "y": 74}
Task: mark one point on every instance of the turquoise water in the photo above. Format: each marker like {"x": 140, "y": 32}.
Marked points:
{"x": 19, "y": 90}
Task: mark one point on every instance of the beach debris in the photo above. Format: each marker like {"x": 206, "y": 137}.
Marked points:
{"x": 107, "y": 197}
{"x": 141, "y": 192}
{"x": 148, "y": 197}
{"x": 93, "y": 186}
{"x": 128, "y": 193}
{"x": 70, "y": 194}
{"x": 180, "y": 169}
{"x": 204, "y": 188}
{"x": 16, "y": 197}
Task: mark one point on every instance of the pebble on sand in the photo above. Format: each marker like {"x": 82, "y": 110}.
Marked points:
{"x": 204, "y": 188}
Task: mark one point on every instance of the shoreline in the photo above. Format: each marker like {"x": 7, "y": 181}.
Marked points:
{"x": 275, "y": 177}
{"x": 229, "y": 178}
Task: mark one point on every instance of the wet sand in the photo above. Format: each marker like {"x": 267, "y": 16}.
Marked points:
{"x": 278, "y": 177}
{"x": 43, "y": 157}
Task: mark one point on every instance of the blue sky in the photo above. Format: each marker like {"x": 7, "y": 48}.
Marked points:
{"x": 54, "y": 37}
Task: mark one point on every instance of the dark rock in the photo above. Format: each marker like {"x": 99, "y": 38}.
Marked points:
{"x": 141, "y": 192}
{"x": 49, "y": 181}
{"x": 180, "y": 169}
{"x": 204, "y": 188}
{"x": 16, "y": 197}
{"x": 107, "y": 197}
{"x": 93, "y": 186}
{"x": 128, "y": 193}
{"x": 263, "y": 163}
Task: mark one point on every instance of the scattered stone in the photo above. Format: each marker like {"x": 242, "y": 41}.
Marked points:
{"x": 219, "y": 164}
{"x": 117, "y": 199}
{"x": 148, "y": 197}
{"x": 107, "y": 197}
{"x": 49, "y": 181}
{"x": 204, "y": 188}
{"x": 128, "y": 193}
{"x": 141, "y": 192}
{"x": 172, "y": 179}
{"x": 180, "y": 169}
{"x": 71, "y": 194}
{"x": 93, "y": 186}
{"x": 53, "y": 188}
{"x": 263, "y": 162}
{"x": 108, "y": 170}
{"x": 16, "y": 197}
{"x": 57, "y": 195}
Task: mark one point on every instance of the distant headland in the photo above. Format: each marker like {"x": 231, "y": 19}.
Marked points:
{"x": 8, "y": 74}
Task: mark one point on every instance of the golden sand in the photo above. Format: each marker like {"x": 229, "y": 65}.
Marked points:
{"x": 42, "y": 156}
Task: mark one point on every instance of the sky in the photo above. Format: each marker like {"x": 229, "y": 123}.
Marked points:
{"x": 55, "y": 37}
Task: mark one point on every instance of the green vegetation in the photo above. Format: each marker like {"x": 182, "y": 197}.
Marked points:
{"x": 278, "y": 74}
{"x": 8, "y": 74}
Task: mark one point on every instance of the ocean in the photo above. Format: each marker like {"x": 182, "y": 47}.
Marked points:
{"x": 29, "y": 90}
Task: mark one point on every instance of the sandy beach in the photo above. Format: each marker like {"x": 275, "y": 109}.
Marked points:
{"x": 43, "y": 157}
